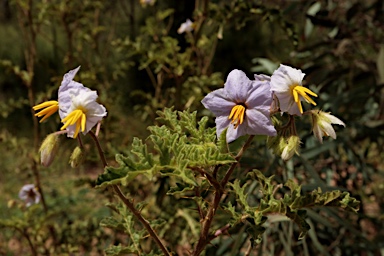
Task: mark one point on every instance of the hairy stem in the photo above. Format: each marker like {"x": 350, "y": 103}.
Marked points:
{"x": 143, "y": 221}
{"x": 219, "y": 192}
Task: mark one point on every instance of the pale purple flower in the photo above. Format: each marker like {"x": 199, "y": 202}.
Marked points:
{"x": 29, "y": 194}
{"x": 242, "y": 105}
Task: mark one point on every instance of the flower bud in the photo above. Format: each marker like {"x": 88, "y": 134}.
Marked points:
{"x": 48, "y": 149}
{"x": 291, "y": 147}
{"x": 284, "y": 146}
{"x": 77, "y": 157}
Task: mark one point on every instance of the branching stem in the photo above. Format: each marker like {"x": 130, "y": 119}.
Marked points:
{"x": 207, "y": 221}
{"x": 128, "y": 202}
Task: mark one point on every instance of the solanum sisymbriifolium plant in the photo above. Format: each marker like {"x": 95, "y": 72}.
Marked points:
{"x": 199, "y": 164}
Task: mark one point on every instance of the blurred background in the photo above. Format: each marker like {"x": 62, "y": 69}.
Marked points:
{"x": 130, "y": 51}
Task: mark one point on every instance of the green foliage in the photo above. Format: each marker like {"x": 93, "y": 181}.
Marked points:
{"x": 179, "y": 146}
{"x": 134, "y": 58}
{"x": 292, "y": 205}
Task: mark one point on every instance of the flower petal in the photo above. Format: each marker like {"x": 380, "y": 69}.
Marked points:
{"x": 233, "y": 134}
{"x": 237, "y": 86}
{"x": 258, "y": 122}
{"x": 259, "y": 96}
{"x": 284, "y": 77}
{"x": 222, "y": 122}
{"x": 262, "y": 77}
{"x": 333, "y": 119}
{"x": 218, "y": 103}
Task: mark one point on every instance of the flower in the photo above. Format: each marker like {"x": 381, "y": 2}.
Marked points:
{"x": 83, "y": 112}
{"x": 322, "y": 124}
{"x": 29, "y": 194}
{"x": 76, "y": 104}
{"x": 186, "y": 27}
{"x": 286, "y": 83}
{"x": 48, "y": 149}
{"x": 242, "y": 106}
{"x": 144, "y": 3}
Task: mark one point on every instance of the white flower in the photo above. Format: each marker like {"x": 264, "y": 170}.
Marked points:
{"x": 78, "y": 108}
{"x": 286, "y": 83}
{"x": 322, "y": 124}
{"x": 186, "y": 27}
{"x": 144, "y": 3}
{"x": 29, "y": 194}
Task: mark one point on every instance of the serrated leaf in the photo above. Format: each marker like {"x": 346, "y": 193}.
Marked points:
{"x": 236, "y": 217}
{"x": 241, "y": 195}
{"x": 179, "y": 189}
{"x": 112, "y": 223}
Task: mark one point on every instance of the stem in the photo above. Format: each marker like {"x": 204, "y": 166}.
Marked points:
{"x": 143, "y": 221}
{"x": 238, "y": 157}
{"x": 25, "y": 234}
{"x": 206, "y": 223}
{"x": 127, "y": 202}
{"x": 99, "y": 149}
{"x": 38, "y": 185}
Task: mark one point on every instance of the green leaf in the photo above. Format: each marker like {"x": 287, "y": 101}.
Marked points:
{"x": 179, "y": 145}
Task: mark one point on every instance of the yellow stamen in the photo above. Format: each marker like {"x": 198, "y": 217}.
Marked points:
{"x": 237, "y": 115}
{"x": 49, "y": 108}
{"x": 77, "y": 117}
{"x": 45, "y": 104}
{"x": 297, "y": 90}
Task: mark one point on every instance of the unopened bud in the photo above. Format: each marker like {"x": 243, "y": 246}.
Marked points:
{"x": 77, "y": 157}
{"x": 48, "y": 149}
{"x": 290, "y": 148}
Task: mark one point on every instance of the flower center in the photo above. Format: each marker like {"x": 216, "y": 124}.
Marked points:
{"x": 297, "y": 90}
{"x": 237, "y": 115}
{"x": 49, "y": 108}
{"x": 77, "y": 117}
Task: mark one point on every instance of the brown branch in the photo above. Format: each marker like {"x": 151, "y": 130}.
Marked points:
{"x": 143, "y": 221}
{"x": 206, "y": 223}
{"x": 127, "y": 202}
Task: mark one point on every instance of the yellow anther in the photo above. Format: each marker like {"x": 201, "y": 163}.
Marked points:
{"x": 302, "y": 91}
{"x": 49, "y": 108}
{"x": 77, "y": 117}
{"x": 237, "y": 115}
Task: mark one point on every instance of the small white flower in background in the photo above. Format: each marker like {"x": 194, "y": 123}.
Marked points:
{"x": 29, "y": 194}
{"x": 186, "y": 27}
{"x": 144, "y": 3}
{"x": 322, "y": 124}
{"x": 286, "y": 83}
{"x": 78, "y": 110}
